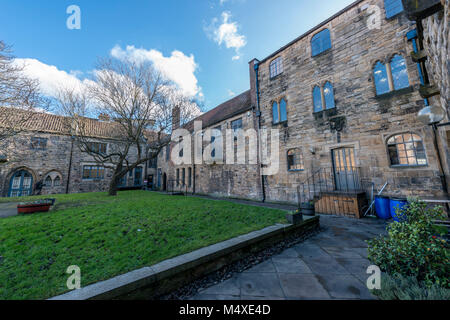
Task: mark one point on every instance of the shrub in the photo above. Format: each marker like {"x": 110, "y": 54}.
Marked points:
{"x": 415, "y": 247}
{"x": 408, "y": 288}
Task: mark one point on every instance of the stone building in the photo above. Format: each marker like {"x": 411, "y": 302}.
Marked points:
{"x": 344, "y": 97}
{"x": 46, "y": 152}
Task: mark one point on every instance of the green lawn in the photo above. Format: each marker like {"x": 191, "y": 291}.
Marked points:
{"x": 107, "y": 236}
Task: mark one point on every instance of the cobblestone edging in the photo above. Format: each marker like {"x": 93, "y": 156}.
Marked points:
{"x": 166, "y": 276}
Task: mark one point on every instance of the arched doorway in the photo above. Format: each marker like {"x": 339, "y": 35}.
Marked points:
{"x": 164, "y": 182}
{"x": 21, "y": 184}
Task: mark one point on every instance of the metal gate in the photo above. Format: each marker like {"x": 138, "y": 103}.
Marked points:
{"x": 346, "y": 175}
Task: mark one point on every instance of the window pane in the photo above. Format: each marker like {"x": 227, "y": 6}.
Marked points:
{"x": 381, "y": 79}
{"x": 393, "y": 7}
{"x": 329, "y": 95}
{"x": 295, "y": 160}
{"x": 393, "y": 155}
{"x": 57, "y": 182}
{"x": 321, "y": 42}
{"x": 283, "y": 111}
{"x": 276, "y": 67}
{"x": 317, "y": 97}
{"x": 275, "y": 112}
{"x": 399, "y": 72}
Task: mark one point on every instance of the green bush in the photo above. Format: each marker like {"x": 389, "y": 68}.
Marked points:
{"x": 414, "y": 248}
{"x": 408, "y": 288}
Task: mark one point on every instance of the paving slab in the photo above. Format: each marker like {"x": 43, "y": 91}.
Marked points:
{"x": 260, "y": 285}
{"x": 290, "y": 265}
{"x": 344, "y": 287}
{"x": 8, "y": 209}
{"x": 302, "y": 287}
{"x": 330, "y": 265}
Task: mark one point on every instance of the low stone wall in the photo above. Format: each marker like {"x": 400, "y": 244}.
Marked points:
{"x": 167, "y": 276}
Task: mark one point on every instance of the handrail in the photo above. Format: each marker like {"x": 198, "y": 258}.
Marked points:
{"x": 327, "y": 179}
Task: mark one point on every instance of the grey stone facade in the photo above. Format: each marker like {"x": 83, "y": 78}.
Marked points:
{"x": 361, "y": 120}
{"x": 61, "y": 160}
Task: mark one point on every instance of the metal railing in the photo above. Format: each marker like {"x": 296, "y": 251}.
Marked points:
{"x": 329, "y": 180}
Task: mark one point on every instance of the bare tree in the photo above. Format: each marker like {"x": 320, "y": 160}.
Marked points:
{"x": 140, "y": 105}
{"x": 16, "y": 91}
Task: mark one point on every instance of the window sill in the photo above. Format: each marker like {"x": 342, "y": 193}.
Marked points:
{"x": 403, "y": 166}
{"x": 281, "y": 124}
{"x": 276, "y": 77}
{"x": 395, "y": 93}
{"x": 297, "y": 170}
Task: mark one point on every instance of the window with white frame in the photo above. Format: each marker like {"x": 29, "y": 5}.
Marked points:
{"x": 276, "y": 67}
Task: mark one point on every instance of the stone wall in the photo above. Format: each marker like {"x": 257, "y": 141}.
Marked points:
{"x": 216, "y": 178}
{"x": 436, "y": 42}
{"x": 369, "y": 119}
{"x": 54, "y": 160}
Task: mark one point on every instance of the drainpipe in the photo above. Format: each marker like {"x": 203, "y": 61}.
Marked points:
{"x": 70, "y": 165}
{"x": 258, "y": 115}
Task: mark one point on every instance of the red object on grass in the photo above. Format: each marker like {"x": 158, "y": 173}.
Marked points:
{"x": 32, "y": 208}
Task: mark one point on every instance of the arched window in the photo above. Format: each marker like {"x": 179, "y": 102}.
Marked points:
{"x": 399, "y": 72}
{"x": 317, "y": 98}
{"x": 295, "y": 160}
{"x": 276, "y": 67}
{"x": 275, "y": 116}
{"x": 283, "y": 111}
{"x": 392, "y": 7}
{"x": 320, "y": 42}
{"x": 406, "y": 150}
{"x": 57, "y": 182}
{"x": 48, "y": 182}
{"x": 328, "y": 93}
{"x": 381, "y": 78}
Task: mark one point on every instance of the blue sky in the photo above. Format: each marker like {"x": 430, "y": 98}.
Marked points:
{"x": 203, "y": 45}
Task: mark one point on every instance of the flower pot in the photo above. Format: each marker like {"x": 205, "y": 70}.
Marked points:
{"x": 295, "y": 218}
{"x": 308, "y": 209}
{"x": 33, "y": 208}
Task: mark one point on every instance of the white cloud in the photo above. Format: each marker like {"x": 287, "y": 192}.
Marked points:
{"x": 51, "y": 79}
{"x": 178, "y": 67}
{"x": 231, "y": 93}
{"x": 227, "y": 33}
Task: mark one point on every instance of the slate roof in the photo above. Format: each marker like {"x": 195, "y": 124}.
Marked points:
{"x": 226, "y": 110}
{"x": 51, "y": 123}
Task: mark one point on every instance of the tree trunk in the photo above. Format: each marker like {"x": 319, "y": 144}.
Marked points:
{"x": 113, "y": 186}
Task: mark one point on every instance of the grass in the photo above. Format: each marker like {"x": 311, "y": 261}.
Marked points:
{"x": 107, "y": 236}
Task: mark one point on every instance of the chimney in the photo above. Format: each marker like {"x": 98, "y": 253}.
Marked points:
{"x": 175, "y": 118}
{"x": 252, "y": 71}
{"x": 104, "y": 117}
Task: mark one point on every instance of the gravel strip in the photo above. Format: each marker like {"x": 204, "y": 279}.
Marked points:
{"x": 240, "y": 266}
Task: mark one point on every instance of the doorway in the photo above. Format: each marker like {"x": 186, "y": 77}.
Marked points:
{"x": 21, "y": 184}
{"x": 164, "y": 182}
{"x": 346, "y": 174}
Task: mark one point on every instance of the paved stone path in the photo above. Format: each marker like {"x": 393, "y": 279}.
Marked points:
{"x": 330, "y": 265}
{"x": 8, "y": 209}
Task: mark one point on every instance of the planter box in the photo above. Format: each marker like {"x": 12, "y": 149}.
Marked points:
{"x": 33, "y": 208}
{"x": 420, "y": 9}
{"x": 294, "y": 218}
